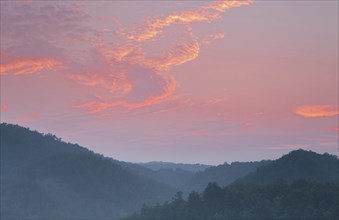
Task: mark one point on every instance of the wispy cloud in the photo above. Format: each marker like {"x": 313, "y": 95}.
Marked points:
{"x": 212, "y": 37}
{"x": 316, "y": 111}
{"x": 183, "y": 53}
{"x": 121, "y": 66}
{"x": 206, "y": 13}
{"x": 94, "y": 107}
{"x": 29, "y": 66}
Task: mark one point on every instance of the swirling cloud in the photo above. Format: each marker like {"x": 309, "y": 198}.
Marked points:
{"x": 44, "y": 36}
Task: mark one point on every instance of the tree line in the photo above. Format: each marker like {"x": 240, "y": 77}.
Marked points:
{"x": 279, "y": 200}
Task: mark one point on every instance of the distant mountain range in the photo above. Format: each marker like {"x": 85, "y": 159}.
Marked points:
{"x": 222, "y": 174}
{"x": 43, "y": 177}
{"x": 176, "y": 178}
{"x": 157, "y": 165}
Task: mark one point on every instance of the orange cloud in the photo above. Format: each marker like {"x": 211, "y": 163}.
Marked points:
{"x": 4, "y": 108}
{"x": 223, "y": 6}
{"x": 122, "y": 52}
{"x": 94, "y": 107}
{"x": 207, "y": 13}
{"x": 86, "y": 80}
{"x": 183, "y": 53}
{"x": 29, "y": 66}
{"x": 120, "y": 87}
{"x": 316, "y": 111}
{"x": 213, "y": 37}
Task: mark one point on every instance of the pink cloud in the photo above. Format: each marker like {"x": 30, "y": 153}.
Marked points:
{"x": 4, "y": 108}
{"x": 200, "y": 133}
{"x": 28, "y": 117}
{"x": 336, "y": 129}
{"x": 328, "y": 144}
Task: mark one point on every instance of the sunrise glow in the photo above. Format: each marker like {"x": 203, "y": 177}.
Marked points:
{"x": 194, "y": 81}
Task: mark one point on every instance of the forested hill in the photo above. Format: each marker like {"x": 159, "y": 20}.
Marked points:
{"x": 222, "y": 174}
{"x": 297, "y": 164}
{"x": 278, "y": 200}
{"x": 45, "y": 178}
{"x": 299, "y": 185}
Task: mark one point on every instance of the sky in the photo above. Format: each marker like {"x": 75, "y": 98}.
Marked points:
{"x": 181, "y": 81}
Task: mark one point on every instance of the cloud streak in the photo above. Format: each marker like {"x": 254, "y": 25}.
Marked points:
{"x": 29, "y": 66}
{"x": 183, "y": 53}
{"x": 317, "y": 111}
{"x": 207, "y": 13}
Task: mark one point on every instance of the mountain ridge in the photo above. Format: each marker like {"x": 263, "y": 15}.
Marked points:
{"x": 297, "y": 164}
{"x": 52, "y": 179}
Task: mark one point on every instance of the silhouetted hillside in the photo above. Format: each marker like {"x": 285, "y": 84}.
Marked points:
{"x": 223, "y": 174}
{"x": 45, "y": 178}
{"x": 297, "y": 164}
